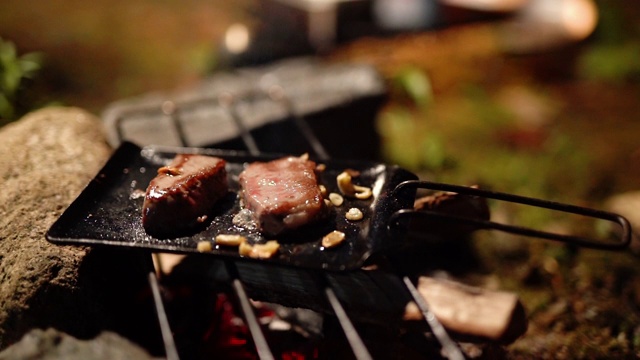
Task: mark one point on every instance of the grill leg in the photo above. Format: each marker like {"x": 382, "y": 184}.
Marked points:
{"x": 259, "y": 340}
{"x": 167, "y": 335}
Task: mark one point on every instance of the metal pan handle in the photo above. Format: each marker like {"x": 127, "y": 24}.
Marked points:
{"x": 397, "y": 219}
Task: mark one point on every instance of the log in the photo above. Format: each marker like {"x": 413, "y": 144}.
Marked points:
{"x": 471, "y": 311}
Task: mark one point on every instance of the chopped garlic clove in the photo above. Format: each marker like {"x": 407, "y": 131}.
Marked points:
{"x": 344, "y": 184}
{"x": 204, "y": 246}
{"x": 362, "y": 192}
{"x": 348, "y": 189}
{"x": 245, "y": 249}
{"x": 354, "y": 214}
{"x": 259, "y": 251}
{"x": 333, "y": 239}
{"x": 336, "y": 199}
{"x": 230, "y": 239}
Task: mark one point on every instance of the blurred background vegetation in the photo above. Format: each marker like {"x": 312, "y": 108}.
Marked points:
{"x": 99, "y": 51}
{"x": 16, "y": 71}
{"x": 473, "y": 112}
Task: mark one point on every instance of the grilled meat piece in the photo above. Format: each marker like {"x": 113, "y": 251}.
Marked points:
{"x": 180, "y": 198}
{"x": 283, "y": 194}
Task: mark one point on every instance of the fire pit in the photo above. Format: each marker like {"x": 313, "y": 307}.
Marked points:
{"x": 362, "y": 303}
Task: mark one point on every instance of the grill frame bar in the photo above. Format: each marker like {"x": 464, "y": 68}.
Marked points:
{"x": 276, "y": 93}
{"x": 355, "y": 341}
{"x": 359, "y": 349}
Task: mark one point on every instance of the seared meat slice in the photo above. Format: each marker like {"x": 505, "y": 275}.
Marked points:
{"x": 182, "y": 195}
{"x": 283, "y": 194}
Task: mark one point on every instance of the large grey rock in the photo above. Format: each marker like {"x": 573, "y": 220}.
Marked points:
{"x": 54, "y": 345}
{"x": 46, "y": 159}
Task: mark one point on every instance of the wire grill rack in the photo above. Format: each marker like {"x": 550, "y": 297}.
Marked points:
{"x": 270, "y": 111}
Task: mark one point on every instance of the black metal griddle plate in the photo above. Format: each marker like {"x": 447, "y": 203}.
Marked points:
{"x": 109, "y": 211}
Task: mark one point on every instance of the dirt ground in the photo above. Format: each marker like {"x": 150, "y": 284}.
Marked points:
{"x": 536, "y": 125}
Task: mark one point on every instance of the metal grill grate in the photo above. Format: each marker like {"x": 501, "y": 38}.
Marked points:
{"x": 173, "y": 123}
{"x": 336, "y": 100}
{"x": 234, "y": 119}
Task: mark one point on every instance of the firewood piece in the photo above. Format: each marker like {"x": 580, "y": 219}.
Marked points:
{"x": 471, "y": 207}
{"x": 471, "y": 311}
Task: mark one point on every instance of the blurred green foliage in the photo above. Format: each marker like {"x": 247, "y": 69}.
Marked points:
{"x": 407, "y": 140}
{"x": 15, "y": 72}
{"x": 614, "y": 51}
{"x": 457, "y": 139}
{"x": 611, "y": 62}
{"x": 414, "y": 84}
